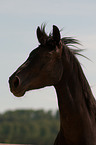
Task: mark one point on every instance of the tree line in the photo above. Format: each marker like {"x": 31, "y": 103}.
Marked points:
{"x": 29, "y": 127}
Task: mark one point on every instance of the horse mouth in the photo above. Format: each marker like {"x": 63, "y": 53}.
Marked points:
{"x": 19, "y": 93}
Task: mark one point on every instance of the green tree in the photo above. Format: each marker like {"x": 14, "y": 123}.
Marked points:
{"x": 29, "y": 127}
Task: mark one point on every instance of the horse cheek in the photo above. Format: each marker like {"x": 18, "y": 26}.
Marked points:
{"x": 55, "y": 72}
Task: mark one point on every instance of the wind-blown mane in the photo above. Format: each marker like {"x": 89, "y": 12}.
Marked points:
{"x": 69, "y": 41}
{"x": 88, "y": 96}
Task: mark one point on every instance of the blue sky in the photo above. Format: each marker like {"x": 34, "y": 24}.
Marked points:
{"x": 18, "y": 22}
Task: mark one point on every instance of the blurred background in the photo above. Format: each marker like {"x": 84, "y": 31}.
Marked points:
{"x": 19, "y": 20}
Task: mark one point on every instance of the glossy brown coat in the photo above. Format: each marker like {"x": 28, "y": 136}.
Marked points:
{"x": 53, "y": 63}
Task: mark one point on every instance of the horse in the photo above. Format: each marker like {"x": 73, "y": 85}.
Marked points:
{"x": 54, "y": 63}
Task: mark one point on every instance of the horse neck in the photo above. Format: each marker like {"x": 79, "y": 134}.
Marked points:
{"x": 74, "y": 100}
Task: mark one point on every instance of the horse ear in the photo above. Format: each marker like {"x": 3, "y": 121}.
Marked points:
{"x": 41, "y": 36}
{"x": 56, "y": 34}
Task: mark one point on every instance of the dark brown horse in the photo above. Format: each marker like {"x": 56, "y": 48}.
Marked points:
{"x": 53, "y": 63}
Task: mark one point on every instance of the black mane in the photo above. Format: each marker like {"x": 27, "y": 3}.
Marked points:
{"x": 69, "y": 41}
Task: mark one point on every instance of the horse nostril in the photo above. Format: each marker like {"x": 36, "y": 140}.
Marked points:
{"x": 16, "y": 82}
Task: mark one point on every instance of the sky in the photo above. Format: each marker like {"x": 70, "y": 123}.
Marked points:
{"x": 19, "y": 20}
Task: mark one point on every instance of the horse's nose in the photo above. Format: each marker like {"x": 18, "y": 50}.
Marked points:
{"x": 14, "y": 82}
